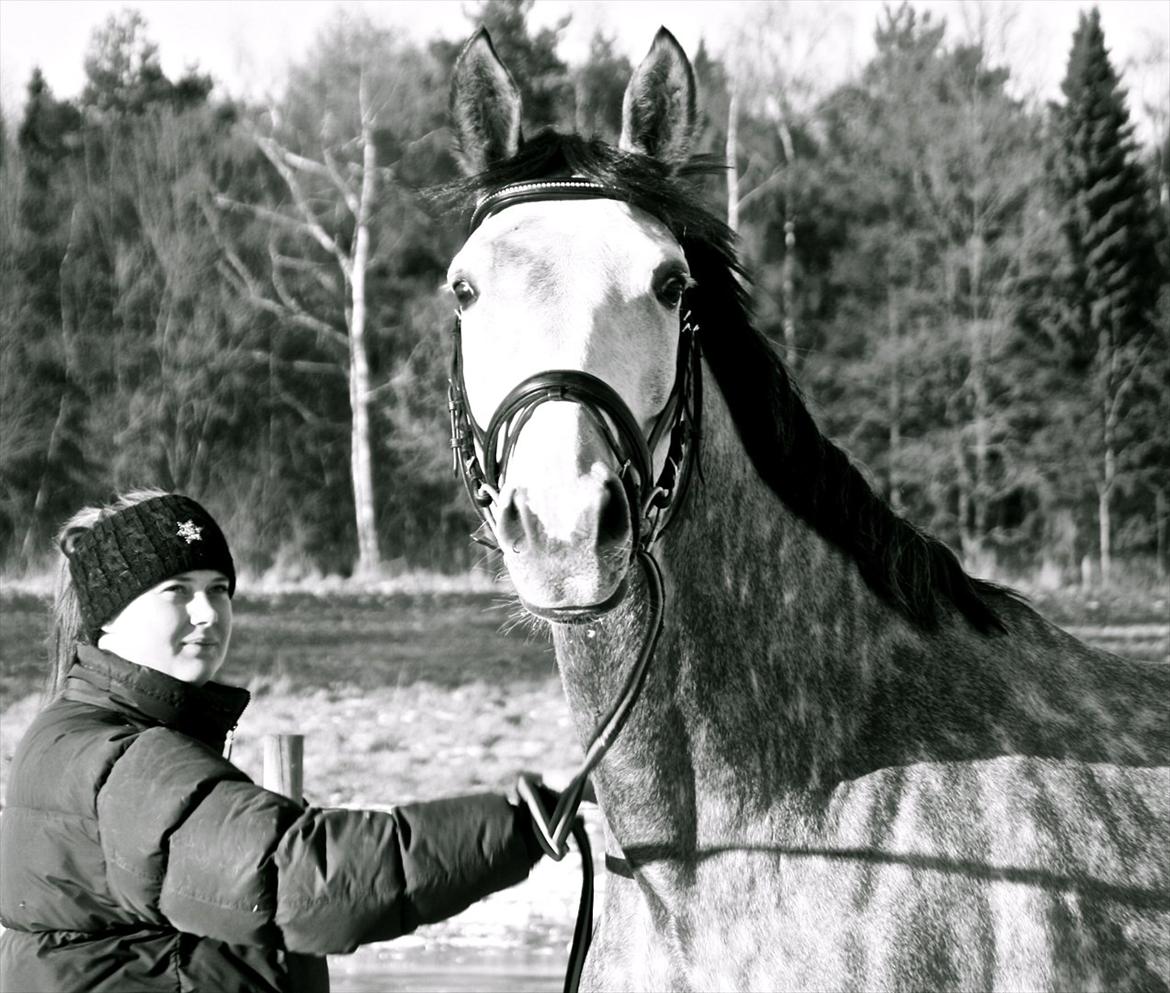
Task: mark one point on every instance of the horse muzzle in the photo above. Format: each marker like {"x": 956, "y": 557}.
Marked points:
{"x": 579, "y": 614}
{"x": 568, "y": 554}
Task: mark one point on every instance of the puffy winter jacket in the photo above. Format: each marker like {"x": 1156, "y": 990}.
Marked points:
{"x": 134, "y": 857}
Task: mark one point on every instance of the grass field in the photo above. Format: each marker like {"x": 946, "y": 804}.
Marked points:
{"x": 416, "y": 696}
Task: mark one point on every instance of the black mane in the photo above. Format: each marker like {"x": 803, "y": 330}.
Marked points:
{"x": 912, "y": 571}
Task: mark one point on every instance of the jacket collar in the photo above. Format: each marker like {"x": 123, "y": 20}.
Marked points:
{"x": 107, "y": 680}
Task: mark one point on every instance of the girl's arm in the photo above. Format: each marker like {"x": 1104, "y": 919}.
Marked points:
{"x": 190, "y": 841}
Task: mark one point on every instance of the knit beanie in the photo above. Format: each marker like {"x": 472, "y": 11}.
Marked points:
{"x": 124, "y": 555}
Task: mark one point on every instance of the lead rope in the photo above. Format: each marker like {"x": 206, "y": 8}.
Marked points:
{"x": 553, "y": 828}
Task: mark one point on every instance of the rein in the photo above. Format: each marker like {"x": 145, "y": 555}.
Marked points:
{"x": 652, "y": 504}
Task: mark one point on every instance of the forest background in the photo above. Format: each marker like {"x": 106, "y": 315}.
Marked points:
{"x": 246, "y": 302}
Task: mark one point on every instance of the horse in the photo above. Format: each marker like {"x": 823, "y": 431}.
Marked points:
{"x": 851, "y": 766}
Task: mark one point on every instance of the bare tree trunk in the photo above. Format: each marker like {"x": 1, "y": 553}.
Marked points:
{"x": 979, "y": 392}
{"x": 1118, "y": 371}
{"x": 895, "y": 401}
{"x": 1109, "y": 412}
{"x": 895, "y": 442}
{"x": 967, "y": 541}
{"x": 1161, "y": 513}
{"x": 353, "y": 265}
{"x": 788, "y": 283}
{"x": 32, "y": 535}
{"x": 982, "y": 444}
{"x": 360, "y": 464}
{"x": 730, "y": 156}
{"x": 369, "y": 559}
{"x": 1105, "y": 524}
{"x": 1105, "y": 515}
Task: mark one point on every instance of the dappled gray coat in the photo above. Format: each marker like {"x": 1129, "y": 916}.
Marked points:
{"x": 134, "y": 857}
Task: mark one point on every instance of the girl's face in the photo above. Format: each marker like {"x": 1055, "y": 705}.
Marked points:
{"x": 181, "y": 627}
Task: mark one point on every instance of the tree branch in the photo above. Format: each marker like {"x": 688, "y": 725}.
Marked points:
{"x": 300, "y": 365}
{"x": 324, "y": 278}
{"x": 243, "y": 278}
{"x": 762, "y": 187}
{"x": 237, "y": 273}
{"x": 300, "y": 318}
{"x": 267, "y": 214}
{"x": 275, "y": 153}
{"x": 338, "y": 180}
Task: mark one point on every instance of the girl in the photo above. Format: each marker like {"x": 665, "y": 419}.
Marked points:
{"x": 134, "y": 857}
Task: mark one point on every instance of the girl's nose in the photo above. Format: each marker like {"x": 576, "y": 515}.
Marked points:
{"x": 201, "y": 610}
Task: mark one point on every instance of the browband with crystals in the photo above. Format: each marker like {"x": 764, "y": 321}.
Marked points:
{"x": 573, "y": 188}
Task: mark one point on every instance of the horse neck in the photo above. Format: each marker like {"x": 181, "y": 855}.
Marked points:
{"x": 780, "y": 673}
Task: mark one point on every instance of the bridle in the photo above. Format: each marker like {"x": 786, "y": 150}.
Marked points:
{"x": 653, "y": 505}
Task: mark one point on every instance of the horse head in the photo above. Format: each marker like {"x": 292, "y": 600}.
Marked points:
{"x": 570, "y": 316}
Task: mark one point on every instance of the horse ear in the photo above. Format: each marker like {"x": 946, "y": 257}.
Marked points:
{"x": 658, "y": 110}
{"x": 484, "y": 106}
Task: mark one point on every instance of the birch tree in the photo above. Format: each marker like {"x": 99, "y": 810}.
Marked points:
{"x": 772, "y": 64}
{"x": 337, "y": 162}
{"x": 356, "y": 191}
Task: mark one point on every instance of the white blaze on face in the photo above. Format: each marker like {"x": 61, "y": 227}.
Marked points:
{"x": 567, "y": 285}
{"x": 570, "y": 499}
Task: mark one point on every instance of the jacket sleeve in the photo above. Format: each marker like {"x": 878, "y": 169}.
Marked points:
{"x": 190, "y": 841}
{"x": 348, "y": 877}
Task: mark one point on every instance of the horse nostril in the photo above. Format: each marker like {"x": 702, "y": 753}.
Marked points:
{"x": 516, "y": 524}
{"x": 509, "y": 526}
{"x": 613, "y": 522}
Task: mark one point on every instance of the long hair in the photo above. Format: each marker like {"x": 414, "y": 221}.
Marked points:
{"x": 67, "y": 630}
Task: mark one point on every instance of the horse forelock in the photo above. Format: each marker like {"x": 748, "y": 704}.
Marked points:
{"x": 915, "y": 573}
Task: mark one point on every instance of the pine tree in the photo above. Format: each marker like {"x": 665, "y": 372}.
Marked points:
{"x": 1107, "y": 220}
{"x": 124, "y": 74}
{"x": 1111, "y": 276}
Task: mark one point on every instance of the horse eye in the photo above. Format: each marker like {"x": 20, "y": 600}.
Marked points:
{"x": 464, "y": 292}
{"x": 670, "y": 293}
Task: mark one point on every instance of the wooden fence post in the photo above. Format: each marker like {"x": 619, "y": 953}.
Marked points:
{"x": 284, "y": 757}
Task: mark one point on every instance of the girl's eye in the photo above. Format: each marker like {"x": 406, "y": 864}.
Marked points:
{"x": 670, "y": 292}
{"x": 464, "y": 292}
{"x": 219, "y": 589}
